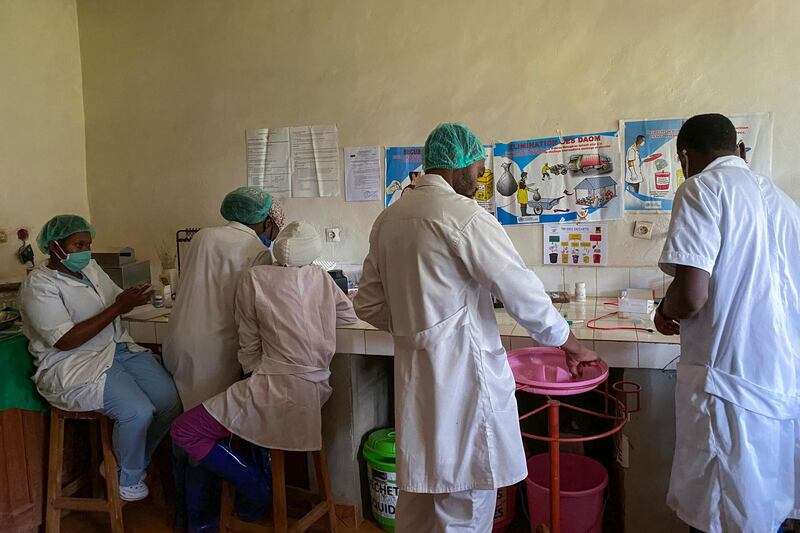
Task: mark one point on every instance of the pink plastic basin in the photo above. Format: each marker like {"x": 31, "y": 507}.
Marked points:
{"x": 544, "y": 371}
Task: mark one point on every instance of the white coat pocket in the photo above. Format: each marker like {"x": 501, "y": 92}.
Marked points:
{"x": 499, "y": 380}
{"x": 692, "y": 409}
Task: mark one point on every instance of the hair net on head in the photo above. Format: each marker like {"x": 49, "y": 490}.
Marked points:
{"x": 298, "y": 244}
{"x": 452, "y": 145}
{"x": 60, "y": 227}
{"x": 248, "y": 205}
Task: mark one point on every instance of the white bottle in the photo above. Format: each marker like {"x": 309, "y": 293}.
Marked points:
{"x": 580, "y": 291}
{"x": 167, "y": 296}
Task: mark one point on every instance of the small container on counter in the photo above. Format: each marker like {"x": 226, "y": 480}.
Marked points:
{"x": 167, "y": 296}
{"x": 580, "y": 291}
{"x": 158, "y": 301}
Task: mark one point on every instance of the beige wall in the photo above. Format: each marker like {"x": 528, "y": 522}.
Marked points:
{"x": 170, "y": 88}
{"x": 42, "y": 156}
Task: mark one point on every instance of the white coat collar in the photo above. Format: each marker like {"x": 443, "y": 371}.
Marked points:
{"x": 433, "y": 180}
{"x": 241, "y": 227}
{"x": 726, "y": 161}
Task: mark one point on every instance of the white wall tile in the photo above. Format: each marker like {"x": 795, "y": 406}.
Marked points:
{"x": 587, "y": 275}
{"x": 658, "y": 355}
{"x": 647, "y": 278}
{"x": 378, "y": 343}
{"x": 667, "y": 283}
{"x": 522, "y": 342}
{"x": 143, "y": 332}
{"x": 350, "y": 341}
{"x": 552, "y": 277}
{"x": 161, "y": 332}
{"x": 618, "y": 354}
{"x": 611, "y": 280}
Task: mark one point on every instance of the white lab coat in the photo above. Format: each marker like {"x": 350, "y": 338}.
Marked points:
{"x": 51, "y": 304}
{"x": 446, "y": 513}
{"x": 435, "y": 259}
{"x": 633, "y": 174}
{"x": 737, "y": 397}
{"x": 201, "y": 344}
{"x": 287, "y": 319}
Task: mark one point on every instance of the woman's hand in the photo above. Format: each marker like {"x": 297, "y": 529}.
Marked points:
{"x": 86, "y": 330}
{"x": 133, "y": 297}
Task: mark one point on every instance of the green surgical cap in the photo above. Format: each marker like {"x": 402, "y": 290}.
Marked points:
{"x": 452, "y": 145}
{"x": 60, "y": 227}
{"x": 248, "y": 205}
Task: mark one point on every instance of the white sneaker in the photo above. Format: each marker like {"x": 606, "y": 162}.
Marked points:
{"x": 135, "y": 492}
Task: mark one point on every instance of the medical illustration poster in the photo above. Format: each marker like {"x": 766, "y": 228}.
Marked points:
{"x": 653, "y": 170}
{"x": 571, "y": 179}
{"x": 403, "y": 167}
{"x": 575, "y": 244}
{"x": 485, "y": 193}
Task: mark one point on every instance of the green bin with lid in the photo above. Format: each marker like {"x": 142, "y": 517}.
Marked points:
{"x": 379, "y": 452}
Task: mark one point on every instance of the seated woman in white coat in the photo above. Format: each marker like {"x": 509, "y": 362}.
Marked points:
{"x": 287, "y": 314}
{"x": 85, "y": 359}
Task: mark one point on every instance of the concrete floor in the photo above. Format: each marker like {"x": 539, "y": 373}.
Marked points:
{"x": 144, "y": 517}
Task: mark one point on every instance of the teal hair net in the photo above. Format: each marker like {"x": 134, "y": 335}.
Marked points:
{"x": 452, "y": 145}
{"x": 248, "y": 205}
{"x": 60, "y": 227}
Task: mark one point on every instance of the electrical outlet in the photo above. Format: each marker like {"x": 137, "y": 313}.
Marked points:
{"x": 333, "y": 234}
{"x": 3, "y": 236}
{"x": 643, "y": 230}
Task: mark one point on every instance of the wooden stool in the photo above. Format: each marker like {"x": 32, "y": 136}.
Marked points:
{"x": 321, "y": 505}
{"x": 60, "y": 497}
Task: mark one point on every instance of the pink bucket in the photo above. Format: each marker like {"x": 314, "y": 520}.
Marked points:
{"x": 504, "y": 510}
{"x": 583, "y": 485}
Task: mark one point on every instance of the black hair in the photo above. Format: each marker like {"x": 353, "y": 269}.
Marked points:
{"x": 708, "y": 134}
{"x": 639, "y": 138}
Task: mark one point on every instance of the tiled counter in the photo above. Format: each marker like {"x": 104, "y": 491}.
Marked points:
{"x": 361, "y": 377}
{"x": 619, "y": 348}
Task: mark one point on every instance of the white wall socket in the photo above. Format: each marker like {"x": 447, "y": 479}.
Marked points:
{"x": 333, "y": 234}
{"x": 643, "y": 230}
{"x": 3, "y": 235}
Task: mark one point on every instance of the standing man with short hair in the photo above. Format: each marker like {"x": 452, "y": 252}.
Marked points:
{"x": 733, "y": 247}
{"x": 436, "y": 258}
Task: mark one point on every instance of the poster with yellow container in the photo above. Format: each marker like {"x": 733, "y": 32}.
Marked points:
{"x": 485, "y": 194}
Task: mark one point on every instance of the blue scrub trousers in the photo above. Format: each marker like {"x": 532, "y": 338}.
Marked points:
{"x": 141, "y": 398}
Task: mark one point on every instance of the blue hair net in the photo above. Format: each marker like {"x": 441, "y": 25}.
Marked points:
{"x": 60, "y": 227}
{"x": 452, "y": 145}
{"x": 248, "y": 205}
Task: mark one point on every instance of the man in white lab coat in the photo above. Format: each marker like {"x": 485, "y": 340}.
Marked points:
{"x": 633, "y": 169}
{"x": 202, "y": 344}
{"x": 435, "y": 260}
{"x": 733, "y": 247}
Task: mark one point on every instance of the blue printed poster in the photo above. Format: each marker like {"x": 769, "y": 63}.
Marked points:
{"x": 403, "y": 167}
{"x": 571, "y": 179}
{"x": 652, "y": 167}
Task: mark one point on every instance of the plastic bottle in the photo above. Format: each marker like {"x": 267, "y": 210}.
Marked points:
{"x": 580, "y": 291}
{"x": 167, "y": 296}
